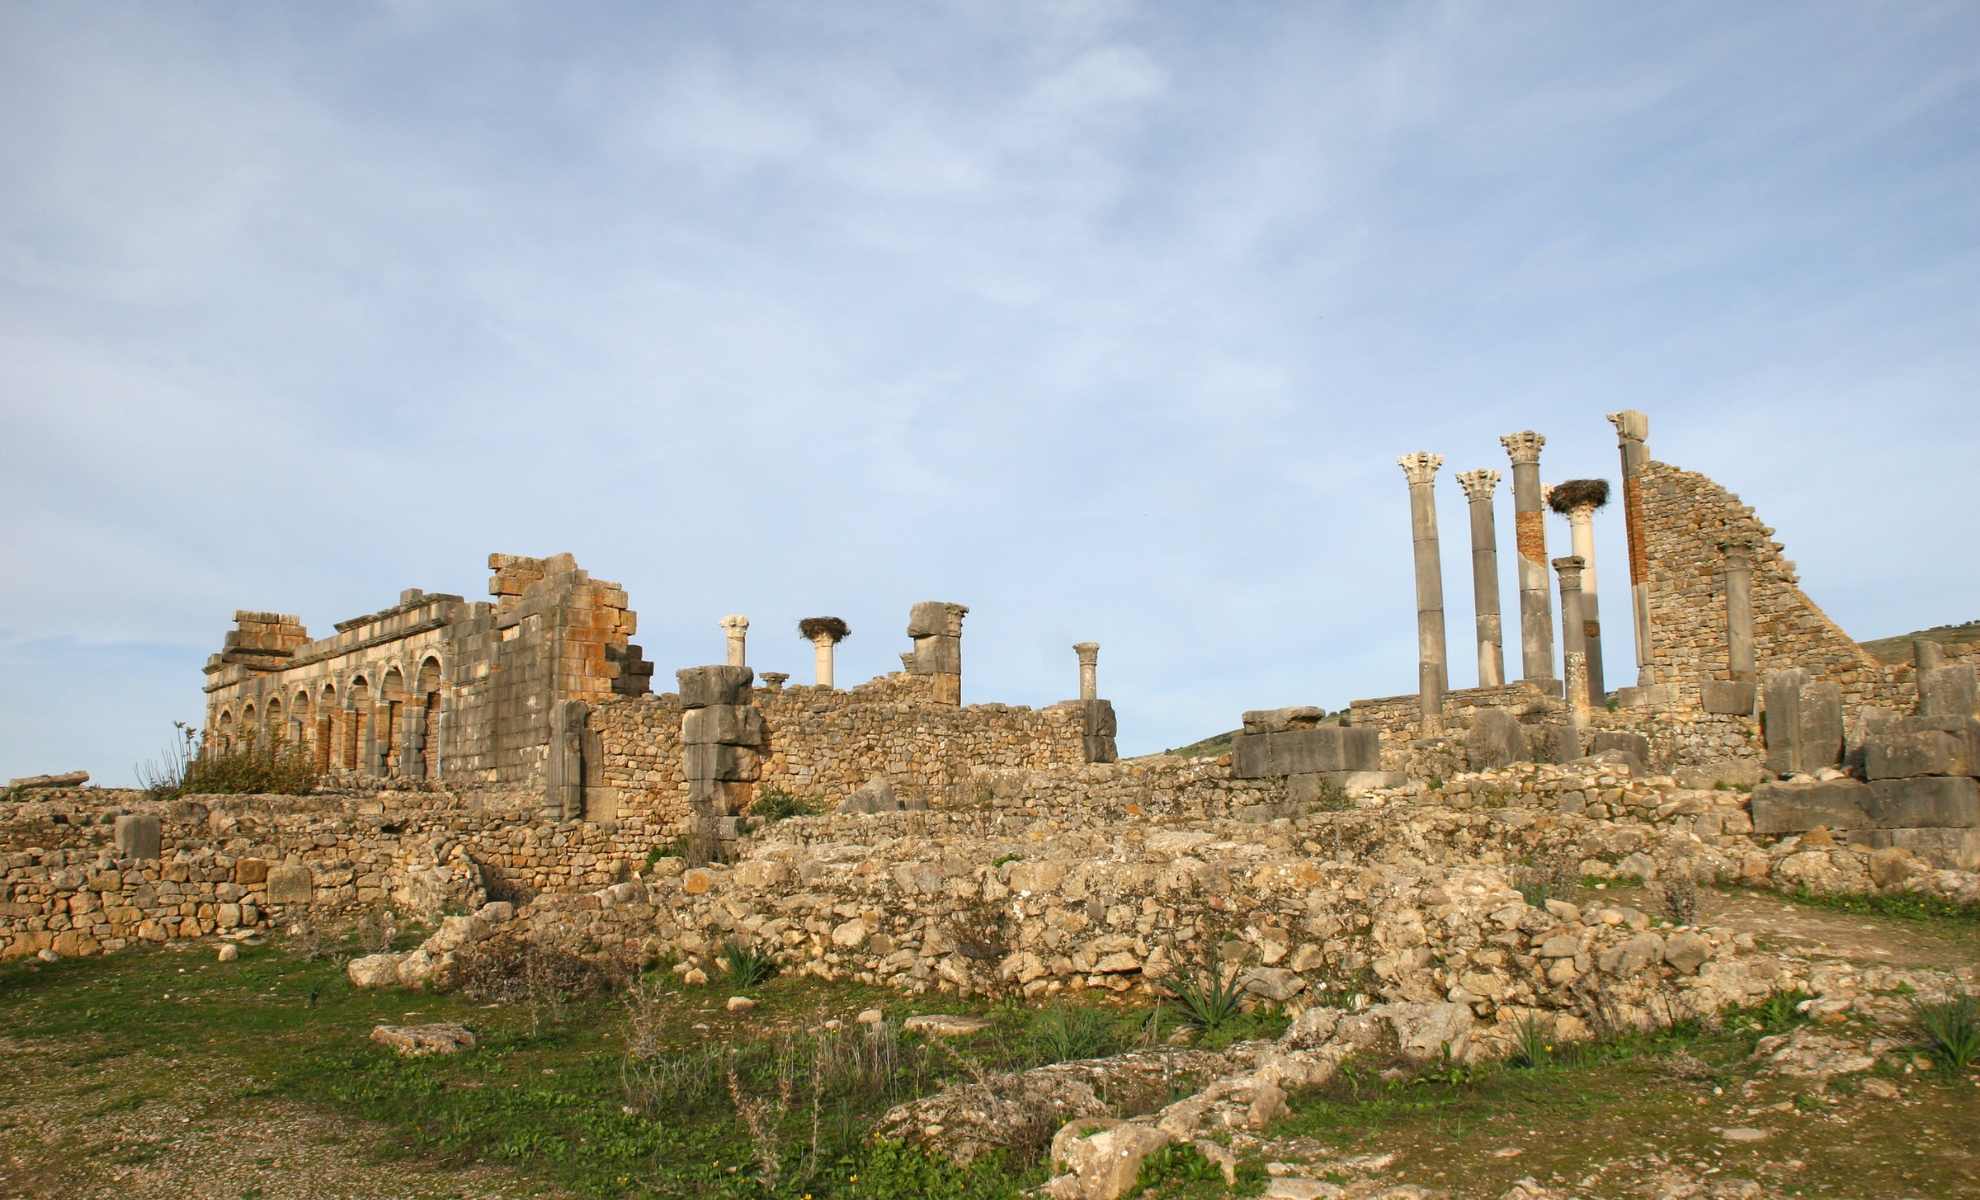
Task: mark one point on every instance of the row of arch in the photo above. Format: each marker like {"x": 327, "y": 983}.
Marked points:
{"x": 382, "y": 729}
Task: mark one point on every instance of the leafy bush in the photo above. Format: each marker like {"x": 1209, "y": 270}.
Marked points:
{"x": 1952, "y": 1028}
{"x": 272, "y": 766}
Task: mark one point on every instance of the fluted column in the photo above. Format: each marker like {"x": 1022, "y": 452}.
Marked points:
{"x": 1089, "y": 669}
{"x": 1479, "y": 487}
{"x": 1536, "y": 620}
{"x": 1632, "y": 433}
{"x": 1573, "y": 641}
{"x": 736, "y": 628}
{"x": 1740, "y": 656}
{"x": 1433, "y": 674}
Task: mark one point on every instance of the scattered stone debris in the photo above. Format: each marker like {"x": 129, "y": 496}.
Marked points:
{"x": 417, "y": 1040}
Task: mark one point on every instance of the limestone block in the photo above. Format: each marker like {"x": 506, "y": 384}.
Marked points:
{"x": 874, "y": 796}
{"x": 723, "y": 724}
{"x": 1781, "y": 719}
{"x": 939, "y": 655}
{"x": 1355, "y": 783}
{"x": 1945, "y": 849}
{"x": 1821, "y": 726}
{"x": 1794, "y": 807}
{"x": 1425, "y": 1032}
{"x": 1897, "y": 753}
{"x": 136, "y": 836}
{"x": 1733, "y": 772}
{"x": 1251, "y": 756}
{"x": 1949, "y": 691}
{"x": 1634, "y": 744}
{"x": 1326, "y": 748}
{"x": 703, "y": 686}
{"x": 1279, "y": 720}
{"x": 1686, "y": 952}
{"x": 935, "y": 618}
{"x": 289, "y": 885}
{"x": 728, "y": 764}
{"x": 1925, "y": 802}
{"x": 1101, "y": 750}
{"x": 1733, "y": 696}
{"x": 417, "y": 1040}
{"x": 1099, "y": 720}
{"x": 1495, "y": 739}
{"x": 374, "y": 971}
{"x": 250, "y": 871}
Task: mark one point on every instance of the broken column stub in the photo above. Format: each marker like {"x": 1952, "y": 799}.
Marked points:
{"x": 936, "y": 627}
{"x": 1802, "y": 723}
{"x": 735, "y": 628}
{"x": 721, "y": 733}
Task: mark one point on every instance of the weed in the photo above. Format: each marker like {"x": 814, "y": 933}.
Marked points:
{"x": 375, "y": 929}
{"x": 1952, "y": 1028}
{"x": 1008, "y": 858}
{"x": 746, "y": 965}
{"x": 543, "y": 977}
{"x": 774, "y": 804}
{"x": 1681, "y": 901}
{"x": 1533, "y": 1044}
{"x": 1909, "y": 906}
{"x": 1069, "y": 1032}
{"x": 258, "y": 766}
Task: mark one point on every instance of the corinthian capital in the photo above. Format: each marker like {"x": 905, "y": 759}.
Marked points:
{"x": 1421, "y": 467}
{"x": 1631, "y": 426}
{"x": 1524, "y": 447}
{"x": 1478, "y": 485}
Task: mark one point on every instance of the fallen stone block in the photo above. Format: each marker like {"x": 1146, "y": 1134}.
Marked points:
{"x": 1944, "y": 849}
{"x": 876, "y": 795}
{"x": 414, "y": 1041}
{"x": 1633, "y": 744}
{"x": 1925, "y": 802}
{"x": 71, "y": 779}
{"x": 941, "y": 1025}
{"x": 1795, "y": 807}
{"x": 1279, "y": 720}
{"x": 374, "y": 970}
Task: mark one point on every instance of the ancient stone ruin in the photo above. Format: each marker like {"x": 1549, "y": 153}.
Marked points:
{"x": 504, "y": 770}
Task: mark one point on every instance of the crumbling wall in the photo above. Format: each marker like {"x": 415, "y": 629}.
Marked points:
{"x": 1687, "y": 517}
{"x": 823, "y": 743}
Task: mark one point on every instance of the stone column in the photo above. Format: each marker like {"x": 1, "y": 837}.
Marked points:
{"x": 1739, "y": 611}
{"x": 1574, "y": 674}
{"x": 822, "y": 645}
{"x": 824, "y": 633}
{"x": 1089, "y": 669}
{"x": 1577, "y": 501}
{"x": 737, "y": 628}
{"x": 1478, "y": 489}
{"x": 1632, "y": 431}
{"x": 1432, "y": 670}
{"x": 1536, "y": 619}
{"x": 1573, "y": 639}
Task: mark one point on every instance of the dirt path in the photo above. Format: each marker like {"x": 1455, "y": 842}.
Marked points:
{"x": 80, "y": 1122}
{"x": 1819, "y": 932}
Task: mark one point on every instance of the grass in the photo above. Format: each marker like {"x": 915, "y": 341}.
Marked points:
{"x": 1906, "y": 906}
{"x": 1952, "y": 1029}
{"x": 774, "y": 804}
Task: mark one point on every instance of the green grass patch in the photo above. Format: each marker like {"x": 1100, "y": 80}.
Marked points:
{"x": 1905, "y": 906}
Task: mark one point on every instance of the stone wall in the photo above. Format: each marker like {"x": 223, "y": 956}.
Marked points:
{"x": 1687, "y": 516}
{"x": 823, "y": 743}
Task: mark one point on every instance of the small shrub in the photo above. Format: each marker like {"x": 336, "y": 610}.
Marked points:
{"x": 270, "y": 766}
{"x": 1952, "y": 1029}
{"x": 1208, "y": 996}
{"x": 541, "y": 976}
{"x": 1070, "y": 1032}
{"x": 746, "y": 965}
{"x": 304, "y": 943}
{"x": 775, "y": 804}
{"x": 376, "y": 928}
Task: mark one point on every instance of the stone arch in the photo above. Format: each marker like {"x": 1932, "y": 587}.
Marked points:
{"x": 275, "y": 719}
{"x": 224, "y": 727}
{"x": 391, "y": 725}
{"x": 427, "y": 688}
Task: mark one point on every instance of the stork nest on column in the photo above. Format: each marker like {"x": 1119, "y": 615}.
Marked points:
{"x": 1578, "y": 493}
{"x": 813, "y": 628}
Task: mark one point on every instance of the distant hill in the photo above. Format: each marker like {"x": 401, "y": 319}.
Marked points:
{"x": 1895, "y": 650}
{"x": 1209, "y": 747}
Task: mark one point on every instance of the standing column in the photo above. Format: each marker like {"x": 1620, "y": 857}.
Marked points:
{"x": 824, "y": 633}
{"x": 1632, "y": 430}
{"x": 1573, "y": 641}
{"x": 1478, "y": 489}
{"x": 1433, "y": 674}
{"x": 737, "y": 628}
{"x": 1536, "y": 620}
{"x": 1577, "y": 500}
{"x": 1089, "y": 669}
{"x": 1740, "y": 655}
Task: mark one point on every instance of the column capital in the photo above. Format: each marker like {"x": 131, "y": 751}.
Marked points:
{"x": 1089, "y": 653}
{"x": 1570, "y": 568}
{"x": 735, "y": 624}
{"x": 1421, "y": 467}
{"x": 1523, "y": 447}
{"x": 1737, "y": 551}
{"x": 1478, "y": 485}
{"x": 1631, "y": 426}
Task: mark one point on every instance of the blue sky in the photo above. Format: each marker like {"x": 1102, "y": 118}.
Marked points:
{"x": 1108, "y": 320}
